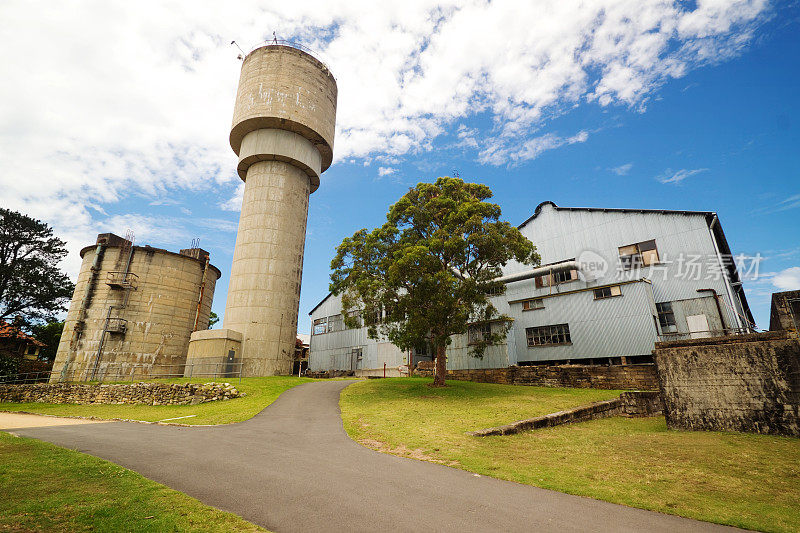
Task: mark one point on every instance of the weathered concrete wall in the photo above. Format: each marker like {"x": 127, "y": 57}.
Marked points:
{"x": 264, "y": 289}
{"x": 740, "y": 383}
{"x": 160, "y": 315}
{"x": 640, "y": 377}
{"x": 285, "y": 88}
{"x": 209, "y": 350}
{"x": 785, "y": 311}
{"x": 133, "y": 393}
{"x": 283, "y": 129}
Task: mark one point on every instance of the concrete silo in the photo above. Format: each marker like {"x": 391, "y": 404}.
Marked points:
{"x": 283, "y": 129}
{"x": 133, "y": 311}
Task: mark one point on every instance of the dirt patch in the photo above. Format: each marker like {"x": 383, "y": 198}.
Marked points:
{"x": 403, "y": 451}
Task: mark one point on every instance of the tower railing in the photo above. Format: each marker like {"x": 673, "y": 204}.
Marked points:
{"x": 291, "y": 44}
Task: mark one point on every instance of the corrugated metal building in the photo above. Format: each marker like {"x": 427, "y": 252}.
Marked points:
{"x": 613, "y": 282}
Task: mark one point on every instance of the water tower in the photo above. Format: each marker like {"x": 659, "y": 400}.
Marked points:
{"x": 283, "y": 128}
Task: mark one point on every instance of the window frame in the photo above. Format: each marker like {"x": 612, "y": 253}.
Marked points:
{"x": 319, "y": 322}
{"x": 663, "y": 315}
{"x": 639, "y": 251}
{"x": 484, "y": 329}
{"x": 526, "y": 304}
{"x": 548, "y": 333}
{"x": 610, "y": 289}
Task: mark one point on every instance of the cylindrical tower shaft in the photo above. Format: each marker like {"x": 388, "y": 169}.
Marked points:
{"x": 283, "y": 127}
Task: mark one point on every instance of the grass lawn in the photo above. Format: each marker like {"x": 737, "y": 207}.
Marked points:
{"x": 47, "y": 488}
{"x": 260, "y": 393}
{"x": 750, "y": 481}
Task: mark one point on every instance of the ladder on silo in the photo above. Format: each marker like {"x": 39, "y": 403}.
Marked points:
{"x": 120, "y": 278}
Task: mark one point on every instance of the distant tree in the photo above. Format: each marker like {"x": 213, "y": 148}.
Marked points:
{"x": 427, "y": 272}
{"x": 212, "y": 319}
{"x": 50, "y": 335}
{"x": 31, "y": 284}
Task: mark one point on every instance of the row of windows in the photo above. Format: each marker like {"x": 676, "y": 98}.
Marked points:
{"x": 599, "y": 294}
{"x": 336, "y": 323}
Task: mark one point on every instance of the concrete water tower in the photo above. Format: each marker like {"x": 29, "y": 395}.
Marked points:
{"x": 283, "y": 128}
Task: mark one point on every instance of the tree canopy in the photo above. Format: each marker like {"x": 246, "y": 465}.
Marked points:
{"x": 31, "y": 284}
{"x": 427, "y": 273}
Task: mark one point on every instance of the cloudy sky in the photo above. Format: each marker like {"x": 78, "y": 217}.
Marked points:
{"x": 115, "y": 115}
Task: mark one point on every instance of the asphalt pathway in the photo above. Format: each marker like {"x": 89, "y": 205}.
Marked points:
{"x": 293, "y": 468}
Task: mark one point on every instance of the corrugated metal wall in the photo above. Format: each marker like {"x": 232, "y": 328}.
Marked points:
{"x": 612, "y": 327}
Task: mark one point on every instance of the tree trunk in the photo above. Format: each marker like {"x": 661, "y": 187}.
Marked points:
{"x": 441, "y": 366}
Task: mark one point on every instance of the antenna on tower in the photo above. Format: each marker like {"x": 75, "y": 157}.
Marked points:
{"x": 456, "y": 174}
{"x": 240, "y": 56}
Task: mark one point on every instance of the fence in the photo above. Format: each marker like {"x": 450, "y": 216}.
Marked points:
{"x": 686, "y": 335}
{"x": 213, "y": 367}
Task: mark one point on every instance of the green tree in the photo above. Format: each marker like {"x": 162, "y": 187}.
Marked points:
{"x": 427, "y": 272}
{"x": 50, "y": 335}
{"x": 212, "y": 320}
{"x": 31, "y": 284}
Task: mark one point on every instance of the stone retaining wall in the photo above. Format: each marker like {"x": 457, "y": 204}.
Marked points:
{"x": 737, "y": 383}
{"x": 640, "y": 377}
{"x": 631, "y": 403}
{"x": 129, "y": 393}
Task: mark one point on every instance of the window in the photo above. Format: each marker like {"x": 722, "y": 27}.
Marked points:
{"x": 638, "y": 255}
{"x": 479, "y": 333}
{"x": 548, "y": 335}
{"x": 320, "y": 326}
{"x": 497, "y": 291}
{"x": 335, "y": 323}
{"x": 607, "y": 292}
{"x": 530, "y": 305}
{"x": 556, "y": 278}
{"x": 356, "y": 316}
{"x": 666, "y": 317}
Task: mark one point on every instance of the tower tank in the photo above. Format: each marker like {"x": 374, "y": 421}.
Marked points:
{"x": 283, "y": 129}
{"x": 133, "y": 311}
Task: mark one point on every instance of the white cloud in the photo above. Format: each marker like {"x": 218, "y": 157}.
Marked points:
{"x": 104, "y": 100}
{"x": 676, "y": 177}
{"x": 385, "y": 171}
{"x": 622, "y": 170}
{"x": 787, "y": 280}
{"x": 497, "y": 152}
{"x": 790, "y": 202}
{"x": 234, "y": 203}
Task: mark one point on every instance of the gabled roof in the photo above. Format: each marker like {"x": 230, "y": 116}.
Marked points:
{"x": 613, "y": 210}
{"x": 320, "y": 303}
{"x": 8, "y": 331}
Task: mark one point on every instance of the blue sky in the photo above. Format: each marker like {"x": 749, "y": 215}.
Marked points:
{"x": 124, "y": 118}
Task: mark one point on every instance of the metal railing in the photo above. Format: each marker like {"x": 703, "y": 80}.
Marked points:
{"x": 292, "y": 44}
{"x": 119, "y": 279}
{"x": 693, "y": 335}
{"x": 215, "y": 367}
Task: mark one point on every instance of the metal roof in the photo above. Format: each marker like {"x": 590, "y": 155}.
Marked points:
{"x": 614, "y": 210}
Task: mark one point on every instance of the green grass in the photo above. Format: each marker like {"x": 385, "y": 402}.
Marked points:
{"x": 750, "y": 481}
{"x": 260, "y": 393}
{"x": 47, "y": 488}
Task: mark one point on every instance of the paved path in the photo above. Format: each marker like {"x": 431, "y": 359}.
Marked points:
{"x": 293, "y": 468}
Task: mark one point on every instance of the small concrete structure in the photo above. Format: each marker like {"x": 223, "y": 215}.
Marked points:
{"x": 214, "y": 351}
{"x": 283, "y": 129}
{"x": 133, "y": 311}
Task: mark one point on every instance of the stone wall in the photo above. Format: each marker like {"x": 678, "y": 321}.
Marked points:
{"x": 785, "y": 311}
{"x": 630, "y": 403}
{"x": 640, "y": 377}
{"x": 131, "y": 393}
{"x": 737, "y": 383}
